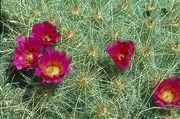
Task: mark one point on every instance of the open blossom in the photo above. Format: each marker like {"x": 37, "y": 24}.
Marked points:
{"x": 167, "y": 92}
{"x": 27, "y": 53}
{"x": 46, "y": 32}
{"x": 122, "y": 53}
{"x": 53, "y": 66}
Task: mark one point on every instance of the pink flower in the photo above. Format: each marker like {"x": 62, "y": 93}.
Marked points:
{"x": 122, "y": 53}
{"x": 167, "y": 92}
{"x": 46, "y": 32}
{"x": 27, "y": 54}
{"x": 53, "y": 66}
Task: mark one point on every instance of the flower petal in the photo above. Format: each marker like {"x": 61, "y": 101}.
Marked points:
{"x": 122, "y": 53}
{"x": 53, "y": 66}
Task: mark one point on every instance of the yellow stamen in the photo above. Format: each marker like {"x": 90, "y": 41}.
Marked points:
{"x": 52, "y": 71}
{"x": 121, "y": 56}
{"x": 29, "y": 57}
{"x": 47, "y": 38}
{"x": 168, "y": 96}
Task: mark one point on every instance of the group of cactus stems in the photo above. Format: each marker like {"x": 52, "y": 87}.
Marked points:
{"x": 96, "y": 88}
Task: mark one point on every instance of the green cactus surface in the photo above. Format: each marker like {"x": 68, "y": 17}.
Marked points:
{"x": 96, "y": 88}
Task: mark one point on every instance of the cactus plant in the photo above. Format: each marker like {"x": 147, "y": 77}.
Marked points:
{"x": 96, "y": 88}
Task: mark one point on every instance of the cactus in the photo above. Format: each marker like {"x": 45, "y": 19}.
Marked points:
{"x": 96, "y": 88}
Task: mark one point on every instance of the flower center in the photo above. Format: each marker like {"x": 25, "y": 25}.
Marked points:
{"x": 168, "y": 96}
{"x": 52, "y": 71}
{"x": 47, "y": 38}
{"x": 120, "y": 56}
{"x": 29, "y": 57}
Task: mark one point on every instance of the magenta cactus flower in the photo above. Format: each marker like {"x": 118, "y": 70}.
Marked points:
{"x": 27, "y": 54}
{"x": 46, "y": 32}
{"x": 54, "y": 66}
{"x": 122, "y": 53}
{"x": 167, "y": 92}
